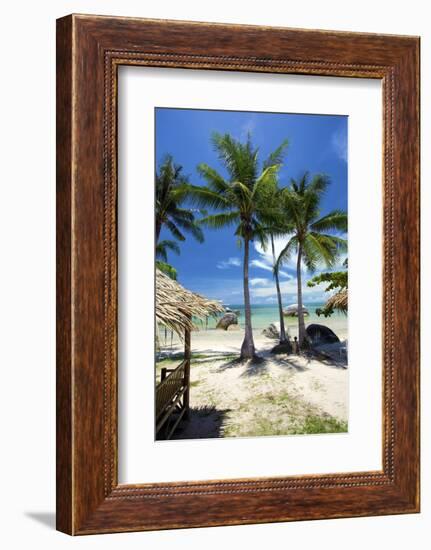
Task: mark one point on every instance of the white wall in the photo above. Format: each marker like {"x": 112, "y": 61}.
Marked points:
{"x": 27, "y": 217}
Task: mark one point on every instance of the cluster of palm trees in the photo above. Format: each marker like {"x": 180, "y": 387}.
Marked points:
{"x": 171, "y": 193}
{"x": 252, "y": 202}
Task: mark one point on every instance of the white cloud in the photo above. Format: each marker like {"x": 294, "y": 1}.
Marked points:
{"x": 248, "y": 127}
{"x": 266, "y": 260}
{"x": 230, "y": 262}
{"x": 259, "y": 281}
{"x": 339, "y": 144}
{"x": 267, "y": 291}
{"x": 261, "y": 265}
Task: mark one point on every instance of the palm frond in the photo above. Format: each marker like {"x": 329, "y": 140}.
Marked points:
{"x": 239, "y": 159}
{"x": 174, "y": 230}
{"x": 172, "y": 190}
{"x": 207, "y": 198}
{"x": 337, "y": 219}
{"x": 310, "y": 256}
{"x": 217, "y": 221}
{"x": 287, "y": 252}
{"x": 267, "y": 180}
{"x": 291, "y": 205}
{"x": 243, "y": 195}
{"x": 261, "y": 235}
{"x": 277, "y": 156}
{"x": 196, "y": 231}
{"x": 334, "y": 240}
{"x": 215, "y": 181}
{"x": 163, "y": 246}
{"x": 183, "y": 215}
{"x": 322, "y": 249}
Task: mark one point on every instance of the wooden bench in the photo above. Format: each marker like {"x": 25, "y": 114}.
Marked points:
{"x": 172, "y": 396}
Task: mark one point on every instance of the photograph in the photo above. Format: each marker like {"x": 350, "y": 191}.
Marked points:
{"x": 251, "y": 274}
{"x": 212, "y": 305}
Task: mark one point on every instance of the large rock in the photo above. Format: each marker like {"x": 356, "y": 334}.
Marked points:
{"x": 321, "y": 334}
{"x": 227, "y": 320}
{"x": 228, "y": 310}
{"x": 292, "y": 310}
{"x": 286, "y": 347}
{"x": 272, "y": 331}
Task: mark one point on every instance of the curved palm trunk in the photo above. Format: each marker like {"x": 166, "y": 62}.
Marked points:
{"x": 283, "y": 339}
{"x": 247, "y": 348}
{"x": 301, "y": 323}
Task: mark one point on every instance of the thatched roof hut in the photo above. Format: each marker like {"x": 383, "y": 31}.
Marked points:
{"x": 176, "y": 307}
{"x": 338, "y": 301}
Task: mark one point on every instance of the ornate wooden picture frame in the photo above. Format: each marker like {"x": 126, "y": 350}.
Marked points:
{"x": 89, "y": 51}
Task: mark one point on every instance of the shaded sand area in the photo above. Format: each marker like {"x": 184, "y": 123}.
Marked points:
{"x": 280, "y": 395}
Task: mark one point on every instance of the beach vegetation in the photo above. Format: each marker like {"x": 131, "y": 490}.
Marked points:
{"x": 336, "y": 281}
{"x": 320, "y": 424}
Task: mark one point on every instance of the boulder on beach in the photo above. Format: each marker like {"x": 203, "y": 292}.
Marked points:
{"x": 228, "y": 310}
{"x": 321, "y": 334}
{"x": 272, "y": 331}
{"x": 285, "y": 347}
{"x": 227, "y": 320}
{"x": 232, "y": 328}
{"x": 292, "y": 310}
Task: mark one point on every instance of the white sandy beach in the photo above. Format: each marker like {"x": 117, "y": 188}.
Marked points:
{"x": 273, "y": 397}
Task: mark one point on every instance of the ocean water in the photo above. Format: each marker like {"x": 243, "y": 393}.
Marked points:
{"x": 264, "y": 315}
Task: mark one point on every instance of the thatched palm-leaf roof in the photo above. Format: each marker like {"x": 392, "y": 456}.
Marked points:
{"x": 338, "y": 301}
{"x": 176, "y": 307}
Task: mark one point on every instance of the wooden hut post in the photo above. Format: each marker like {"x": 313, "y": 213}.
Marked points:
{"x": 187, "y": 356}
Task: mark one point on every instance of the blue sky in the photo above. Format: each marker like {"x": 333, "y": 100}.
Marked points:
{"x": 317, "y": 144}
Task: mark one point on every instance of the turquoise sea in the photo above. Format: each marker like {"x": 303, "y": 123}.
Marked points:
{"x": 263, "y": 315}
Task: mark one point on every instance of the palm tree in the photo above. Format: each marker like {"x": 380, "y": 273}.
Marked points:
{"x": 241, "y": 201}
{"x": 283, "y": 338}
{"x": 162, "y": 248}
{"x": 278, "y": 225}
{"x": 171, "y": 193}
{"x": 310, "y": 240}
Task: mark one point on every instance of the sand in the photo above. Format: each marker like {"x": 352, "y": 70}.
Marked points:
{"x": 273, "y": 397}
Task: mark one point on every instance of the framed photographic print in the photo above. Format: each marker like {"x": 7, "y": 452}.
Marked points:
{"x": 237, "y": 274}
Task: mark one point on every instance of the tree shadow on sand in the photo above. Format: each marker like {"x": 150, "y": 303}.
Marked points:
{"x": 334, "y": 360}
{"x": 198, "y": 356}
{"x": 233, "y": 363}
{"x": 202, "y": 423}
{"x": 253, "y": 367}
{"x": 296, "y": 362}
{"x": 293, "y": 363}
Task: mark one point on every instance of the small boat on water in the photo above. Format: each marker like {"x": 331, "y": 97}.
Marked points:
{"x": 292, "y": 311}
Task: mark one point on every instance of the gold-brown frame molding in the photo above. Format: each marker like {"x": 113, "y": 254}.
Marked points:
{"x": 89, "y": 51}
